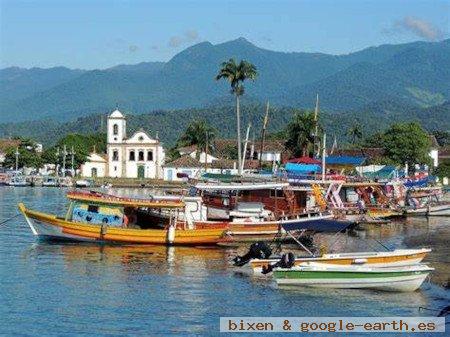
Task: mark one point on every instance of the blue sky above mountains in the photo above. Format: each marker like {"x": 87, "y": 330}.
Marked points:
{"x": 101, "y": 34}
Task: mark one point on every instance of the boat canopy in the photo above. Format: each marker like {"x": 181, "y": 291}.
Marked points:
{"x": 322, "y": 225}
{"x": 248, "y": 186}
{"x": 302, "y": 168}
{"x": 112, "y": 200}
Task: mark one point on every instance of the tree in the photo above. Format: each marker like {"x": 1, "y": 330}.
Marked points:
{"x": 198, "y": 133}
{"x": 28, "y": 157}
{"x": 300, "y": 134}
{"x": 355, "y": 133}
{"x": 406, "y": 143}
{"x": 82, "y": 145}
{"x": 236, "y": 74}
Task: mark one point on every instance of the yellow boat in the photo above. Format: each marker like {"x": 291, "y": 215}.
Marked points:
{"x": 64, "y": 228}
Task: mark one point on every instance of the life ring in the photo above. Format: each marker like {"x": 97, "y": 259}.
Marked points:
{"x": 125, "y": 221}
{"x": 131, "y": 218}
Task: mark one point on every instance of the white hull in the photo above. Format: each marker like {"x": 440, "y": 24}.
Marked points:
{"x": 401, "y": 283}
{"x": 359, "y": 258}
{"x": 438, "y": 210}
{"x": 45, "y": 231}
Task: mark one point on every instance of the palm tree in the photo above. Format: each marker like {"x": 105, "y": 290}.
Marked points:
{"x": 236, "y": 74}
{"x": 355, "y": 133}
{"x": 300, "y": 134}
{"x": 198, "y": 133}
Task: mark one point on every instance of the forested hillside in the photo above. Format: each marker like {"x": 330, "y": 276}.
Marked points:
{"x": 170, "y": 124}
{"x": 414, "y": 75}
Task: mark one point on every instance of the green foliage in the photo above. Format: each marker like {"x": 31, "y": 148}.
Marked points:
{"x": 82, "y": 145}
{"x": 443, "y": 170}
{"x": 355, "y": 133}
{"x": 28, "y": 157}
{"x": 300, "y": 134}
{"x": 236, "y": 74}
{"x": 172, "y": 123}
{"x": 199, "y": 133}
{"x": 346, "y": 83}
{"x": 442, "y": 137}
{"x": 404, "y": 143}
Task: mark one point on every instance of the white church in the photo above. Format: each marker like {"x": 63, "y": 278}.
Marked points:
{"x": 138, "y": 156}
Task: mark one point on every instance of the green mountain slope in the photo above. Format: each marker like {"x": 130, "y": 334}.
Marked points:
{"x": 170, "y": 124}
{"x": 416, "y": 74}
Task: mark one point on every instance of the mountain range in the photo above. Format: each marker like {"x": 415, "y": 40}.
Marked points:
{"x": 403, "y": 77}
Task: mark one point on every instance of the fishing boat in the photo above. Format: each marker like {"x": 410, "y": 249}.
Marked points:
{"x": 426, "y": 202}
{"x": 260, "y": 259}
{"x": 401, "y": 279}
{"x": 49, "y": 181}
{"x": 115, "y": 222}
{"x": 18, "y": 181}
{"x": 244, "y": 221}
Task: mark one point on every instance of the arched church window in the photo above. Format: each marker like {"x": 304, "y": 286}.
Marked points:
{"x": 115, "y": 156}
{"x": 115, "y": 129}
{"x": 132, "y": 156}
{"x": 141, "y": 156}
{"x": 149, "y": 155}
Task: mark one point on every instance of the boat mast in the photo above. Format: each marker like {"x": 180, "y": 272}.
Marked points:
{"x": 263, "y": 134}
{"x": 17, "y": 158}
{"x": 324, "y": 154}
{"x": 316, "y": 129}
{"x": 64, "y": 160}
{"x": 72, "y": 153}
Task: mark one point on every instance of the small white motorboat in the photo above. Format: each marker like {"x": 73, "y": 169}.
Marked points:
{"x": 402, "y": 279}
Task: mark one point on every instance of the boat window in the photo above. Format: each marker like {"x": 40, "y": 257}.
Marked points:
{"x": 149, "y": 155}
{"x": 141, "y": 156}
{"x": 276, "y": 194}
{"x": 115, "y": 129}
{"x": 132, "y": 155}
{"x": 93, "y": 208}
{"x": 115, "y": 156}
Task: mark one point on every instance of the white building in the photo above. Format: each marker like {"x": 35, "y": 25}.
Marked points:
{"x": 96, "y": 165}
{"x": 138, "y": 156}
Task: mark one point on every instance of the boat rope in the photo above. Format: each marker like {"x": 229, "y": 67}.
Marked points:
{"x": 9, "y": 219}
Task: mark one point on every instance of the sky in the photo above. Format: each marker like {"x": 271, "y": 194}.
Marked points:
{"x": 94, "y": 34}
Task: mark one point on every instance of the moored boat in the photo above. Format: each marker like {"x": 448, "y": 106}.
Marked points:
{"x": 397, "y": 257}
{"x": 402, "y": 279}
{"x": 88, "y": 224}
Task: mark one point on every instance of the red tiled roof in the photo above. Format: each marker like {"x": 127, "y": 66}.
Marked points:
{"x": 184, "y": 161}
{"x": 6, "y": 144}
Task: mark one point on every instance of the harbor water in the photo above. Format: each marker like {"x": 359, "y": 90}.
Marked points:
{"x": 54, "y": 289}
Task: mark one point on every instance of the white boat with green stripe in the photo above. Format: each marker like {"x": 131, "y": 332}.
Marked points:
{"x": 406, "y": 278}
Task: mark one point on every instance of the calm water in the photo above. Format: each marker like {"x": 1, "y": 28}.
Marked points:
{"x": 69, "y": 289}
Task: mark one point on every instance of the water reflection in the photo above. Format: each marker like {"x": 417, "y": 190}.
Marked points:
{"x": 149, "y": 290}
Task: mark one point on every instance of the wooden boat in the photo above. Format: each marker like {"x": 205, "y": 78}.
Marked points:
{"x": 397, "y": 257}
{"x": 246, "y": 221}
{"x": 113, "y": 200}
{"x": 18, "y": 181}
{"x": 434, "y": 209}
{"x": 402, "y": 279}
{"x": 53, "y": 227}
{"x": 426, "y": 202}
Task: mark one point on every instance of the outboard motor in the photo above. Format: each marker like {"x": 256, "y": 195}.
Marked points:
{"x": 258, "y": 250}
{"x": 286, "y": 261}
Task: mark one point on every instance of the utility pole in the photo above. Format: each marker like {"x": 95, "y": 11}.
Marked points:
{"x": 263, "y": 134}
{"x": 72, "y": 153}
{"x": 57, "y": 161}
{"x": 316, "y": 129}
{"x": 324, "y": 154}
{"x": 64, "y": 160}
{"x": 17, "y": 159}
{"x": 206, "y": 152}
